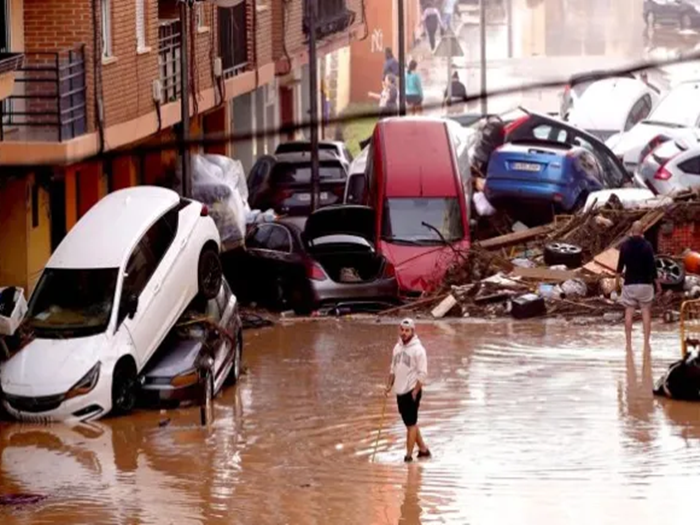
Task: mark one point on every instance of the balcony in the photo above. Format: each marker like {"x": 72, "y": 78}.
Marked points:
{"x": 9, "y": 63}
{"x": 48, "y": 101}
{"x": 332, "y": 16}
{"x": 169, "y": 49}
{"x": 233, "y": 39}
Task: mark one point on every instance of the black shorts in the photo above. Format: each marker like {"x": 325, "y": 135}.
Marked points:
{"x": 408, "y": 408}
{"x": 414, "y": 100}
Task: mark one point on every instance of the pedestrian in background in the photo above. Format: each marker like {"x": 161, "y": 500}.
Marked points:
{"x": 448, "y": 11}
{"x": 409, "y": 370}
{"x": 455, "y": 97}
{"x": 432, "y": 21}
{"x": 639, "y": 265}
{"x": 391, "y": 65}
{"x": 388, "y": 98}
{"x": 414, "y": 88}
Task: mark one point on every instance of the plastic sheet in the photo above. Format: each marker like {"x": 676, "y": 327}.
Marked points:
{"x": 217, "y": 182}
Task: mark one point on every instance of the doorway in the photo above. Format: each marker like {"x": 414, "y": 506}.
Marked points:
{"x": 57, "y": 197}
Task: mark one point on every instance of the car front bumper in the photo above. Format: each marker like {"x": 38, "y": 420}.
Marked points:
{"x": 159, "y": 395}
{"x": 52, "y": 409}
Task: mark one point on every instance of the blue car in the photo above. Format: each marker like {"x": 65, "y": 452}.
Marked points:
{"x": 538, "y": 173}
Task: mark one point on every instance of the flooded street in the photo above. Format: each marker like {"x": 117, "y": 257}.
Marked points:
{"x": 528, "y": 423}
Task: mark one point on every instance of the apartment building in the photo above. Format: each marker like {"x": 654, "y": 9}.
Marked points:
{"x": 100, "y": 77}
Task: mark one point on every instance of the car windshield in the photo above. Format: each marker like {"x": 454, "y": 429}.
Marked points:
{"x": 72, "y": 302}
{"x": 681, "y": 107}
{"x": 302, "y": 147}
{"x": 404, "y": 218}
{"x": 602, "y": 134}
{"x": 301, "y": 173}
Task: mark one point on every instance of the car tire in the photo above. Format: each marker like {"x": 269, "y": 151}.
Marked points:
{"x": 210, "y": 273}
{"x": 123, "y": 389}
{"x": 235, "y": 373}
{"x": 558, "y": 253}
{"x": 671, "y": 273}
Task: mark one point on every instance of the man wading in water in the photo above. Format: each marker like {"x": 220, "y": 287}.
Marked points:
{"x": 637, "y": 259}
{"x": 409, "y": 369}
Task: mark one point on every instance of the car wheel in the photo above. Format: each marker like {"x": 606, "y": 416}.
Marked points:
{"x": 123, "y": 389}
{"x": 671, "y": 273}
{"x": 557, "y": 253}
{"x": 209, "y": 273}
{"x": 235, "y": 374}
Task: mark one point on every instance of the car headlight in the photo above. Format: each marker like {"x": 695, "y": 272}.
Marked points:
{"x": 185, "y": 379}
{"x": 86, "y": 384}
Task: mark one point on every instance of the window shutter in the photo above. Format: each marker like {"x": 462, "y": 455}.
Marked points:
{"x": 140, "y": 24}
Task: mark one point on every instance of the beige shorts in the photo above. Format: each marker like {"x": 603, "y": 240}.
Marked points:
{"x": 637, "y": 295}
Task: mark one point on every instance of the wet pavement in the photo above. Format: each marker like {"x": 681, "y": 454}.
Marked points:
{"x": 534, "y": 422}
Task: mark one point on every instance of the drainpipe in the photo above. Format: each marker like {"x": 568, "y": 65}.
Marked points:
{"x": 185, "y": 102}
{"x": 313, "y": 93}
{"x": 402, "y": 58}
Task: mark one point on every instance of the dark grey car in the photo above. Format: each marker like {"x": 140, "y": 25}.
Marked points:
{"x": 200, "y": 354}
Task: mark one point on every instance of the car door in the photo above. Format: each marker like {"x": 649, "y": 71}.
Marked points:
{"x": 258, "y": 178}
{"x": 147, "y": 268}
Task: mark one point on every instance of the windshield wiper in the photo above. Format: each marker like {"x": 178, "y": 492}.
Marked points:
{"x": 412, "y": 242}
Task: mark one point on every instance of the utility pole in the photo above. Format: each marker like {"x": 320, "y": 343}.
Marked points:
{"x": 402, "y": 58}
{"x": 509, "y": 21}
{"x": 313, "y": 91}
{"x": 482, "y": 49}
{"x": 185, "y": 102}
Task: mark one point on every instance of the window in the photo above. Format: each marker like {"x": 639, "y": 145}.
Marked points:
{"x": 301, "y": 173}
{"x": 200, "y": 15}
{"x": 545, "y": 132}
{"x": 639, "y": 112}
{"x": 403, "y": 220}
{"x": 280, "y": 240}
{"x": 141, "y": 24}
{"x": 258, "y": 238}
{"x": 72, "y": 303}
{"x": 691, "y": 166}
{"x": 332, "y": 16}
{"x": 357, "y": 187}
{"x": 160, "y": 236}
{"x": 106, "y": 16}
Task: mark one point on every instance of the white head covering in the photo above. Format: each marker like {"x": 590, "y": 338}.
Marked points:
{"x": 408, "y": 323}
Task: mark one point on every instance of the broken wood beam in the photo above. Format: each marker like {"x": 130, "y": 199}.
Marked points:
{"x": 515, "y": 238}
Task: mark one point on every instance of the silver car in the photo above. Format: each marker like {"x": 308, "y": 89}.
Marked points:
{"x": 672, "y": 166}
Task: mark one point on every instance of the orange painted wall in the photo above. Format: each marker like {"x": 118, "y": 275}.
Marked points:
{"x": 13, "y": 241}
{"x": 123, "y": 173}
{"x": 90, "y": 190}
{"x": 71, "y": 199}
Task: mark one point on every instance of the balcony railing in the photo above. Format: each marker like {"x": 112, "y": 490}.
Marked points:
{"x": 48, "y": 102}
{"x": 332, "y": 16}
{"x": 169, "y": 49}
{"x": 233, "y": 39}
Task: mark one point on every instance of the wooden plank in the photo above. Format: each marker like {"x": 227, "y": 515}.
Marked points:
{"x": 514, "y": 238}
{"x": 444, "y": 307}
{"x": 545, "y": 274}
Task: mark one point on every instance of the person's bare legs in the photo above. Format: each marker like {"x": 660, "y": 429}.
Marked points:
{"x": 629, "y": 319}
{"x": 419, "y": 441}
{"x": 411, "y": 433}
{"x": 646, "y": 321}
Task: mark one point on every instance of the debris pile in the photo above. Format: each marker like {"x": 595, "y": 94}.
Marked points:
{"x": 565, "y": 268}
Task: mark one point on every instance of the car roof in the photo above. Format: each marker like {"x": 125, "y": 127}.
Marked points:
{"x": 606, "y": 104}
{"x": 419, "y": 151}
{"x": 106, "y": 234}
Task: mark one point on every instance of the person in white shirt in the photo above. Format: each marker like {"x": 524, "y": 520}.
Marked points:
{"x": 409, "y": 370}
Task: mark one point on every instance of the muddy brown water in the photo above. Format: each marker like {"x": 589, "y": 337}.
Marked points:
{"x": 529, "y": 423}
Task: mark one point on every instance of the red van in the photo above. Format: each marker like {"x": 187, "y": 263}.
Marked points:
{"x": 414, "y": 183}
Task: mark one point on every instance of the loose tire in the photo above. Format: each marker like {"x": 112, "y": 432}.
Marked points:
{"x": 123, "y": 389}
{"x": 671, "y": 273}
{"x": 210, "y": 273}
{"x": 558, "y": 253}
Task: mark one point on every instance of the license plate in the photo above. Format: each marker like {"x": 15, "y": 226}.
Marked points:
{"x": 525, "y": 166}
{"x": 306, "y": 197}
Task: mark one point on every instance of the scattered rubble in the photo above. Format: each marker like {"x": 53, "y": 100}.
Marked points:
{"x": 509, "y": 275}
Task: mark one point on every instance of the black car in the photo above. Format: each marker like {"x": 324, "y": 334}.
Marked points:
{"x": 308, "y": 263}
{"x": 283, "y": 182}
{"x": 681, "y": 13}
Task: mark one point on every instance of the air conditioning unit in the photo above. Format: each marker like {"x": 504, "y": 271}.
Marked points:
{"x": 157, "y": 91}
{"x": 218, "y": 67}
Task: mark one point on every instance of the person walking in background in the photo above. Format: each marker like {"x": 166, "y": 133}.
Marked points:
{"x": 409, "y": 370}
{"x": 639, "y": 265}
{"x": 455, "y": 99}
{"x": 391, "y": 65}
{"x": 432, "y": 21}
{"x": 414, "y": 88}
{"x": 448, "y": 11}
{"x": 388, "y": 98}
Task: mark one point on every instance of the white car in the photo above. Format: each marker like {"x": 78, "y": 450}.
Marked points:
{"x": 576, "y": 88}
{"x": 612, "y": 105}
{"x": 107, "y": 298}
{"x": 676, "y": 114}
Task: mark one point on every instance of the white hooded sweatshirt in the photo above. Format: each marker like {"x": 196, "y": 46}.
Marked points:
{"x": 409, "y": 365}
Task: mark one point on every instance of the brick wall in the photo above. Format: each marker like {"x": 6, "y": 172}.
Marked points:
{"x": 263, "y": 33}
{"x": 674, "y": 238}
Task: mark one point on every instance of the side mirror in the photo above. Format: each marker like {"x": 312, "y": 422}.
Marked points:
{"x": 132, "y": 305}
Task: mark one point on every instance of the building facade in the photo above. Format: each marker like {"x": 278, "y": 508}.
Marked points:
{"x": 101, "y": 77}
